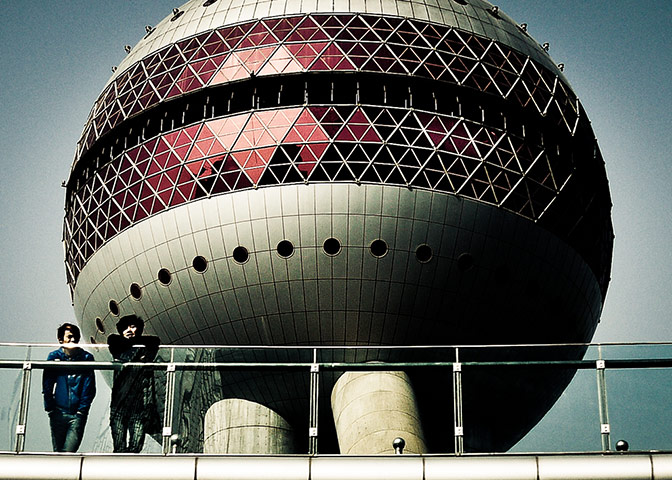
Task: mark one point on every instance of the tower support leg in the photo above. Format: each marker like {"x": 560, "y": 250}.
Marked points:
{"x": 371, "y": 409}
{"x": 234, "y": 425}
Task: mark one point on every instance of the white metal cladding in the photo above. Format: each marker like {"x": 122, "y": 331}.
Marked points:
{"x": 469, "y": 16}
{"x": 224, "y": 304}
{"x": 253, "y": 468}
{"x": 138, "y": 467}
{"x": 613, "y": 466}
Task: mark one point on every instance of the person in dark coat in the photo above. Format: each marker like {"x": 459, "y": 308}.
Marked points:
{"x": 68, "y": 392}
{"x": 133, "y": 408}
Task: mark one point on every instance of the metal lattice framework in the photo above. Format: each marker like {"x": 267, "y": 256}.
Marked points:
{"x": 371, "y": 140}
{"x": 318, "y": 43}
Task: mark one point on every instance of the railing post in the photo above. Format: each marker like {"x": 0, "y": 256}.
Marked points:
{"x": 169, "y": 404}
{"x": 314, "y": 401}
{"x": 457, "y": 405}
{"x": 602, "y": 402}
{"x": 23, "y": 406}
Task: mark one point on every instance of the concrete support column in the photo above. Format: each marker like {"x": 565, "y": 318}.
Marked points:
{"x": 371, "y": 409}
{"x": 234, "y": 425}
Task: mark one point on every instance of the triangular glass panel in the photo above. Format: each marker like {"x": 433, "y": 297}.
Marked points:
{"x": 213, "y": 45}
{"x": 259, "y": 35}
{"x": 281, "y": 61}
{"x": 281, "y": 27}
{"x": 232, "y": 69}
{"x": 331, "y": 24}
{"x": 344, "y": 175}
{"x": 293, "y": 175}
{"x": 233, "y": 35}
{"x": 331, "y": 168}
{"x": 220, "y": 185}
{"x": 319, "y": 175}
{"x": 272, "y": 175}
{"x": 540, "y": 173}
{"x": 306, "y": 31}
{"x": 395, "y": 177}
{"x": 357, "y": 168}
{"x": 409, "y": 159}
{"x": 355, "y": 30}
{"x": 191, "y": 45}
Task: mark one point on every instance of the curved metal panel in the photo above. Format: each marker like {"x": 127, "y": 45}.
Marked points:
{"x": 380, "y": 467}
{"x": 480, "y": 468}
{"x": 20, "y": 467}
{"x": 253, "y": 468}
{"x": 662, "y": 467}
{"x": 145, "y": 467}
{"x": 595, "y": 467}
{"x": 632, "y": 466}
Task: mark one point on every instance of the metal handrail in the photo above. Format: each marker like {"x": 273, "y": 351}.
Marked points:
{"x": 315, "y": 367}
{"x": 338, "y": 366}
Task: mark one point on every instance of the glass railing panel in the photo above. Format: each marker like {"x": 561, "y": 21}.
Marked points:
{"x": 537, "y": 354}
{"x": 624, "y": 351}
{"x": 396, "y": 355}
{"x": 10, "y": 379}
{"x": 16, "y": 352}
{"x": 639, "y": 407}
{"x": 247, "y": 355}
{"x": 501, "y": 386}
{"x": 507, "y": 389}
{"x": 38, "y": 437}
{"x": 11, "y": 357}
{"x": 572, "y": 424}
{"x": 223, "y": 393}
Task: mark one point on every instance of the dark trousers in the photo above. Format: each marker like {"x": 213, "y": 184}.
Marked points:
{"x": 67, "y": 430}
{"x": 131, "y": 422}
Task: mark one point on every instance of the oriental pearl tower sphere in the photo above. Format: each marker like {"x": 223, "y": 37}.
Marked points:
{"x": 381, "y": 174}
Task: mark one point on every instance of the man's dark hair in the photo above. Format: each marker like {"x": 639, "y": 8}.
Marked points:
{"x": 127, "y": 320}
{"x": 74, "y": 329}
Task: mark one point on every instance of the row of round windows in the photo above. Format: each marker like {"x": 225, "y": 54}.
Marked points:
{"x": 285, "y": 249}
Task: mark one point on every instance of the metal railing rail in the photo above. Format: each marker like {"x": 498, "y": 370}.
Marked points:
{"x": 315, "y": 368}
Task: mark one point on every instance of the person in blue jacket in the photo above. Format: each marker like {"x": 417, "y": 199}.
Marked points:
{"x": 68, "y": 392}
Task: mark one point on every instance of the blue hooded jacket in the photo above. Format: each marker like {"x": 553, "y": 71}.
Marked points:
{"x": 69, "y": 390}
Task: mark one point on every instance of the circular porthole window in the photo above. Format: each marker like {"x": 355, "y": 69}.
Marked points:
{"x": 465, "y": 262}
{"x": 114, "y": 307}
{"x": 423, "y": 253}
{"x": 136, "y": 291}
{"x": 378, "y": 248}
{"x": 200, "y": 264}
{"x": 99, "y": 325}
{"x": 285, "y": 249}
{"x": 331, "y": 246}
{"x": 164, "y": 276}
{"x": 240, "y": 255}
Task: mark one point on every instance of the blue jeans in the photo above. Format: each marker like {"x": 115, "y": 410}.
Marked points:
{"x": 67, "y": 430}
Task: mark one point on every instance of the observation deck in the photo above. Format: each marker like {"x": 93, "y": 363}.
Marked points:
{"x": 619, "y": 391}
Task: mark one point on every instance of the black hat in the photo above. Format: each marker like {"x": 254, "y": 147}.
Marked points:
{"x": 127, "y": 320}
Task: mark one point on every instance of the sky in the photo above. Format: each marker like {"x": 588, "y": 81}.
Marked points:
{"x": 57, "y": 56}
